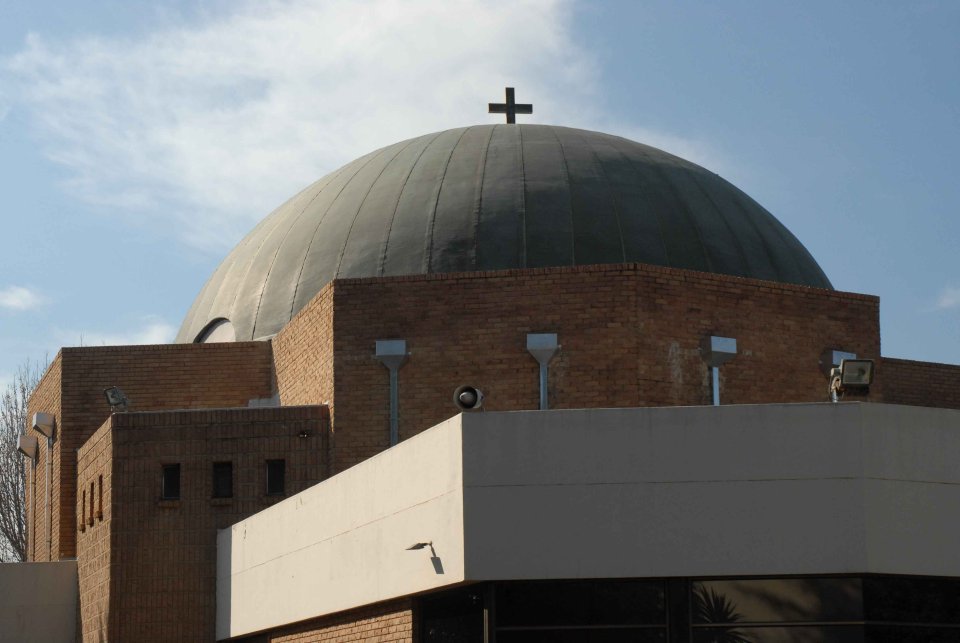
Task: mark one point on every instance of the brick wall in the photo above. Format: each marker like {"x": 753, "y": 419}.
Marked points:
{"x": 162, "y": 553}
{"x": 46, "y": 398}
{"x": 385, "y": 622}
{"x": 629, "y": 333}
{"x": 181, "y": 376}
{"x": 94, "y": 526}
{"x": 920, "y": 383}
{"x": 303, "y": 352}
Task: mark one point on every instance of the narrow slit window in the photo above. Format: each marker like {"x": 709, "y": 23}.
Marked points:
{"x": 222, "y": 479}
{"x": 83, "y": 509}
{"x": 100, "y": 497}
{"x": 90, "y": 519}
{"x": 276, "y": 474}
{"x": 170, "y": 485}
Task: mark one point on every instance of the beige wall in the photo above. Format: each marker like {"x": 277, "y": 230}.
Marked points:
{"x": 343, "y": 543}
{"x": 650, "y": 492}
{"x": 38, "y": 602}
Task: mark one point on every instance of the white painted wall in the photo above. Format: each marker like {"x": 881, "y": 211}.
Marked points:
{"x": 343, "y": 543}
{"x": 696, "y": 491}
{"x": 38, "y": 602}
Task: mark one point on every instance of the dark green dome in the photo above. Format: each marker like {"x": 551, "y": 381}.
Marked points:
{"x": 493, "y": 197}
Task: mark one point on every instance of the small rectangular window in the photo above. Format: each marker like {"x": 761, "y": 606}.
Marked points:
{"x": 90, "y": 520}
{"x": 170, "y": 489}
{"x": 276, "y": 472}
{"x": 83, "y": 509}
{"x": 222, "y": 479}
{"x": 100, "y": 497}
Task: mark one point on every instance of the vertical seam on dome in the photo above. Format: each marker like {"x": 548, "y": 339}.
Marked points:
{"x": 396, "y": 206}
{"x": 613, "y": 194}
{"x": 748, "y": 217}
{"x": 523, "y": 203}
{"x": 642, "y": 184}
{"x": 736, "y": 240}
{"x": 306, "y": 253}
{"x": 654, "y": 168}
{"x": 790, "y": 243}
{"x": 428, "y": 258}
{"x": 566, "y": 174}
{"x": 257, "y": 254}
{"x": 479, "y": 204}
{"x": 346, "y": 238}
{"x": 188, "y": 322}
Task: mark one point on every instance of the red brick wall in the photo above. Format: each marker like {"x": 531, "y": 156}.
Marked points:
{"x": 180, "y": 376}
{"x": 162, "y": 554}
{"x": 94, "y": 526}
{"x": 304, "y": 353}
{"x": 629, "y": 333}
{"x": 385, "y": 622}
{"x": 46, "y": 398}
{"x": 920, "y": 383}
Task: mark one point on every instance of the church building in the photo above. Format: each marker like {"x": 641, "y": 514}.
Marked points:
{"x": 508, "y": 383}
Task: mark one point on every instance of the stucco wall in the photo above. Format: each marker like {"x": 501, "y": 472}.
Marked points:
{"x": 343, "y": 543}
{"x": 39, "y": 602}
{"x": 775, "y": 489}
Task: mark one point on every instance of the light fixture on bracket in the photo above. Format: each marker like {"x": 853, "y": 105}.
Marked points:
{"x": 852, "y": 377}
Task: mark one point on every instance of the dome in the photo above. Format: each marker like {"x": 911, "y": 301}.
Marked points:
{"x": 492, "y": 197}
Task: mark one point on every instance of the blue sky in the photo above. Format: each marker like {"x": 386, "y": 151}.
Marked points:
{"x": 139, "y": 141}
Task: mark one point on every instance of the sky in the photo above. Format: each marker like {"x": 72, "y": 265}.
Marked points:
{"x": 140, "y": 141}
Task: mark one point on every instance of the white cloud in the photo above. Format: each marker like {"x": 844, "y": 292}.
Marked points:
{"x": 949, "y": 298}
{"x": 19, "y": 298}
{"x": 210, "y": 126}
{"x": 150, "y": 330}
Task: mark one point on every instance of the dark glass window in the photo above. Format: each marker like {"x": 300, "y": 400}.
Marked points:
{"x": 454, "y": 616}
{"x": 276, "y": 477}
{"x": 222, "y": 479}
{"x": 580, "y": 603}
{"x": 899, "y": 599}
{"x": 170, "y": 485}
{"x": 776, "y": 600}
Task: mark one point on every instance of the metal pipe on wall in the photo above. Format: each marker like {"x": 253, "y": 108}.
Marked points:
{"x": 543, "y": 347}
{"x": 392, "y": 353}
{"x": 49, "y": 501}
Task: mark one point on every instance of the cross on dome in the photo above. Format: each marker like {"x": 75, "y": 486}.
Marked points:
{"x": 511, "y": 108}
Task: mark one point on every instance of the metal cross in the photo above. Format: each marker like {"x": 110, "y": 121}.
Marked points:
{"x": 511, "y": 108}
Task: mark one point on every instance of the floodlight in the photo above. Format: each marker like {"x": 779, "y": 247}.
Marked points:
{"x": 116, "y": 399}
{"x": 43, "y": 423}
{"x": 853, "y": 376}
{"x": 27, "y": 445}
{"x": 856, "y": 373}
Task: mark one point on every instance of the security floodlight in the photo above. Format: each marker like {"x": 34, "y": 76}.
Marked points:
{"x": 27, "y": 445}
{"x": 43, "y": 423}
{"x": 116, "y": 399}
{"x": 468, "y": 398}
{"x": 856, "y": 373}
{"x": 853, "y": 376}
